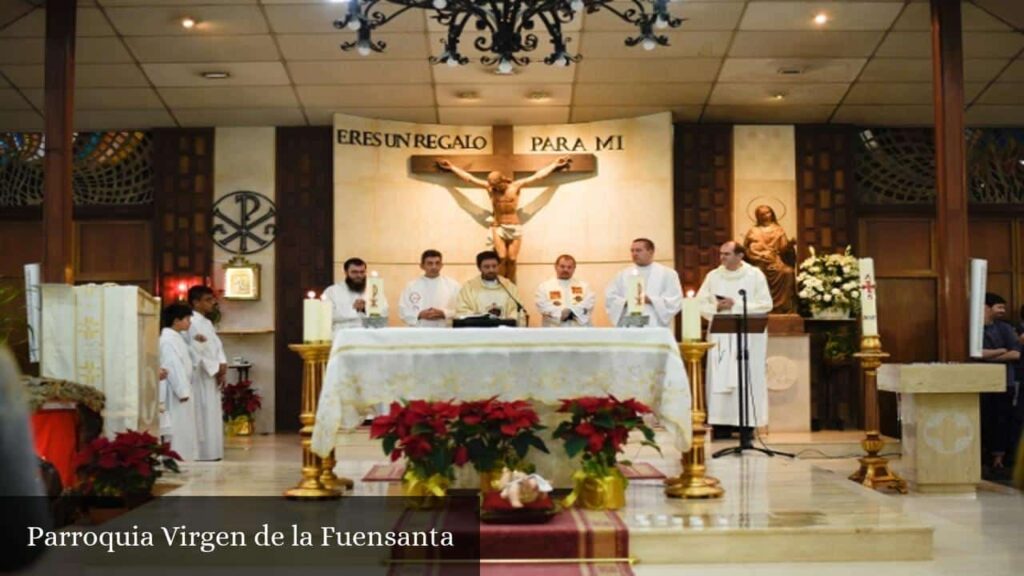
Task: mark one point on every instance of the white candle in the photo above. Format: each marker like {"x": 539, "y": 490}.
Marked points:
{"x": 325, "y": 333}
{"x": 868, "y": 298}
{"x": 310, "y": 318}
{"x": 374, "y": 294}
{"x": 691, "y": 317}
{"x": 635, "y": 292}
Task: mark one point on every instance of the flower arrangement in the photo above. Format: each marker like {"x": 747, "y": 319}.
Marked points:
{"x": 830, "y": 281}
{"x": 599, "y": 428}
{"x": 127, "y": 466}
{"x": 421, "y": 432}
{"x": 492, "y": 434}
{"x": 240, "y": 400}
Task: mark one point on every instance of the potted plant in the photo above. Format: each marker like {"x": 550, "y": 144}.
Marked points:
{"x": 118, "y": 475}
{"x": 420, "y": 431}
{"x": 829, "y": 285}
{"x": 239, "y": 402}
{"x": 599, "y": 427}
{"x": 494, "y": 435}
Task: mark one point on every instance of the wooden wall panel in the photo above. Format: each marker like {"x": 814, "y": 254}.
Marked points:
{"x": 993, "y": 239}
{"x": 825, "y": 194}
{"x": 183, "y": 198}
{"x": 114, "y": 251}
{"x": 305, "y": 240}
{"x": 703, "y": 198}
{"x": 882, "y": 235}
{"x": 22, "y": 243}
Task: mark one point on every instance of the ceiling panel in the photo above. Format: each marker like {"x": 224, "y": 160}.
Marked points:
{"x": 241, "y": 117}
{"x": 121, "y": 119}
{"x": 11, "y": 100}
{"x": 503, "y": 95}
{"x": 768, "y": 114}
{"x": 683, "y": 45}
{"x": 249, "y": 48}
{"x": 813, "y": 70}
{"x": 996, "y": 116}
{"x": 594, "y": 113}
{"x": 403, "y": 46}
{"x": 178, "y": 2}
{"x": 91, "y": 50}
{"x": 1004, "y": 93}
{"x": 699, "y": 16}
{"x": 15, "y": 121}
{"x": 88, "y": 22}
{"x": 799, "y": 44}
{"x": 381, "y": 96}
{"x": 800, "y": 15}
{"x": 318, "y": 18}
{"x": 917, "y": 17}
{"x": 230, "y": 97}
{"x": 106, "y": 99}
{"x": 900, "y": 93}
{"x": 474, "y": 72}
{"x": 242, "y": 74}
{"x": 1015, "y": 72}
{"x": 325, "y": 116}
{"x": 86, "y": 75}
{"x": 884, "y": 115}
{"x": 21, "y": 51}
{"x": 361, "y": 72}
{"x": 654, "y": 70}
{"x": 976, "y": 45}
{"x": 166, "y": 21}
{"x": 641, "y": 95}
{"x": 920, "y": 70}
{"x": 499, "y": 116}
{"x": 750, "y": 94}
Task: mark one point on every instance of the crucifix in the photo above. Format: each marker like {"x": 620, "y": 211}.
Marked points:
{"x": 501, "y": 167}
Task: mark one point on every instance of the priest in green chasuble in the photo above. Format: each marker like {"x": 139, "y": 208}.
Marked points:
{"x": 488, "y": 293}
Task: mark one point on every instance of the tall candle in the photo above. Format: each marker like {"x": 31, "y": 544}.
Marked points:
{"x": 374, "y": 294}
{"x": 868, "y": 298}
{"x": 691, "y": 317}
{"x": 635, "y": 293}
{"x": 326, "y": 315}
{"x": 310, "y": 318}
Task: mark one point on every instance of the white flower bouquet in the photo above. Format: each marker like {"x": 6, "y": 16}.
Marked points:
{"x": 829, "y": 282}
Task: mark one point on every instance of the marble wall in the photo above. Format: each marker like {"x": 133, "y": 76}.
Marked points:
{"x": 388, "y": 216}
{"x": 244, "y": 159}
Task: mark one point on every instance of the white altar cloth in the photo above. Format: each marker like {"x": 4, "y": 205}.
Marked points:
{"x": 369, "y": 367}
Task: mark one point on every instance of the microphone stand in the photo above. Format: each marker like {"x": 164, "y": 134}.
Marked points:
{"x": 520, "y": 309}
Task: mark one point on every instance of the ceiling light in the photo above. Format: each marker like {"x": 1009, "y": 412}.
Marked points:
{"x": 778, "y": 96}
{"x": 789, "y": 71}
{"x": 188, "y": 23}
{"x": 467, "y": 95}
{"x": 538, "y": 96}
{"x": 216, "y": 75}
{"x": 821, "y": 18}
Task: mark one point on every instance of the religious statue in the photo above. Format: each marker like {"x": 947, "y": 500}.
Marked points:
{"x": 506, "y": 228}
{"x": 770, "y": 249}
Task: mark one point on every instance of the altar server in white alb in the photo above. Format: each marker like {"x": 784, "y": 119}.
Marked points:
{"x": 177, "y": 408}
{"x": 209, "y": 375}
{"x": 565, "y": 301}
{"x": 663, "y": 293}
{"x": 350, "y": 300}
{"x": 720, "y": 294}
{"x": 429, "y": 301}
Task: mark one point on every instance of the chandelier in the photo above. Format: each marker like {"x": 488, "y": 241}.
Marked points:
{"x": 506, "y": 30}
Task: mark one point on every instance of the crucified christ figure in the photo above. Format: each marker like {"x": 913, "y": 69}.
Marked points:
{"x": 506, "y": 229}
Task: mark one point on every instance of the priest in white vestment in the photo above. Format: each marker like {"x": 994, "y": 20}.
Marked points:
{"x": 348, "y": 300}
{"x": 565, "y": 301}
{"x": 720, "y": 294}
{"x": 489, "y": 293}
{"x": 663, "y": 293}
{"x": 178, "y": 417}
{"x": 429, "y": 301}
{"x": 209, "y": 375}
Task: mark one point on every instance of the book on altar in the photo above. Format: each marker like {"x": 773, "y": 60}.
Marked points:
{"x": 106, "y": 337}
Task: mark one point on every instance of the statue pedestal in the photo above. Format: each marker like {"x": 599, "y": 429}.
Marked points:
{"x": 941, "y": 426}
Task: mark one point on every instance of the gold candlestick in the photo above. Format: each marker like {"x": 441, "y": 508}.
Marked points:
{"x": 693, "y": 483}
{"x": 874, "y": 469}
{"x": 318, "y": 479}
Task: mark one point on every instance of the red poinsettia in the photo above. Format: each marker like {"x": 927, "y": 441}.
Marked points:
{"x": 599, "y": 427}
{"x": 239, "y": 399}
{"x": 420, "y": 431}
{"x": 493, "y": 434}
{"x": 128, "y": 465}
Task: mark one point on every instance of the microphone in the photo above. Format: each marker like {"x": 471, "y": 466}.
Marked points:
{"x": 519, "y": 305}
{"x": 743, "y": 292}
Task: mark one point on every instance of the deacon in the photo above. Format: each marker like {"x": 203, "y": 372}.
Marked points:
{"x": 565, "y": 301}
{"x": 209, "y": 374}
{"x": 663, "y": 293}
{"x": 720, "y": 294}
{"x": 178, "y": 416}
{"x": 429, "y": 301}
{"x": 349, "y": 299}
{"x": 488, "y": 293}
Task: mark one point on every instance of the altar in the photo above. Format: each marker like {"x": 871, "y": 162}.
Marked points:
{"x": 372, "y": 367}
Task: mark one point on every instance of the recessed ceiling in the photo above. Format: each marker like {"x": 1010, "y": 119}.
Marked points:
{"x": 754, "y": 61}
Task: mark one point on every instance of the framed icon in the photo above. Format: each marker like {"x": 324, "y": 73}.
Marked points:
{"x": 241, "y": 280}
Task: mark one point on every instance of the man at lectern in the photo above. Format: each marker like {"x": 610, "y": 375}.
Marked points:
{"x": 722, "y": 293}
